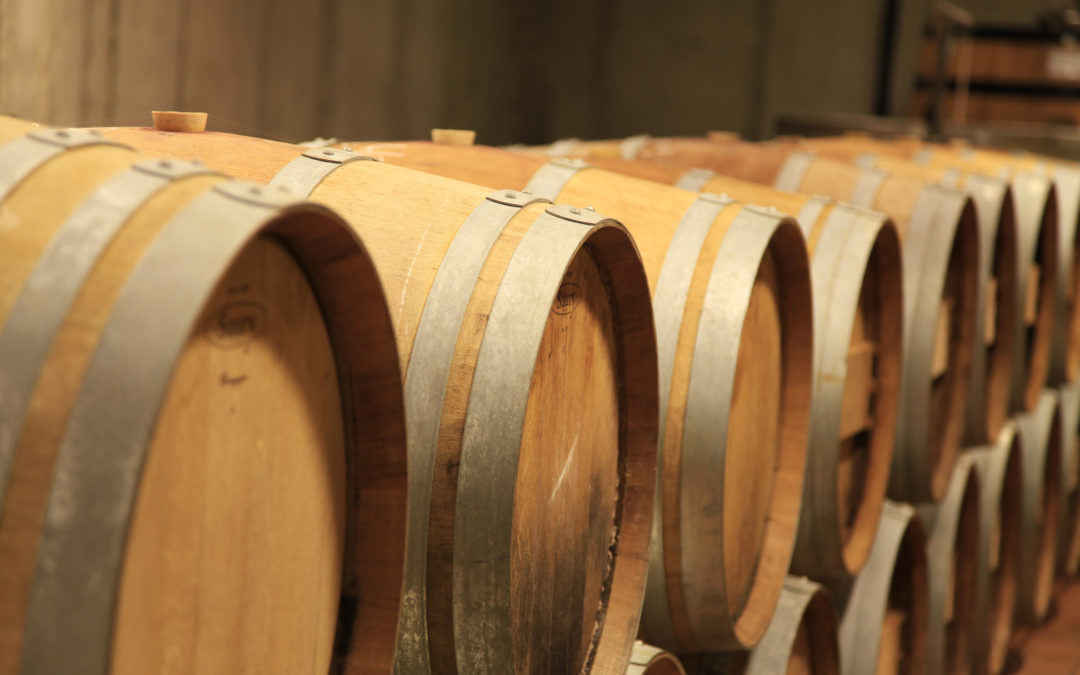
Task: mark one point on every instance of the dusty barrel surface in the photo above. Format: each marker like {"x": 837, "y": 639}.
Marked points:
{"x": 1069, "y": 556}
{"x": 858, "y": 304}
{"x": 735, "y": 369}
{"x": 649, "y": 660}
{"x": 952, "y": 553}
{"x": 1001, "y": 490}
{"x": 203, "y": 458}
{"x": 528, "y": 344}
{"x": 1041, "y": 434}
{"x": 883, "y": 628}
{"x": 801, "y": 640}
{"x": 998, "y": 318}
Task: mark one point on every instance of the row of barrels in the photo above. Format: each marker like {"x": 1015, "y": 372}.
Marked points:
{"x": 220, "y": 404}
{"x": 1006, "y": 523}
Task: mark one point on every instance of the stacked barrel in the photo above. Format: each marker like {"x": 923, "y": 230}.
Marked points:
{"x": 993, "y": 520}
{"x": 641, "y": 406}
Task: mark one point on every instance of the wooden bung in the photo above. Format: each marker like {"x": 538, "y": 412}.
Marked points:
{"x": 649, "y": 660}
{"x": 801, "y": 640}
{"x": 883, "y": 628}
{"x": 941, "y": 246}
{"x": 953, "y": 525}
{"x": 1069, "y": 556}
{"x": 527, "y": 341}
{"x": 734, "y": 439}
{"x": 202, "y": 467}
{"x": 1042, "y": 245}
{"x": 1001, "y": 492}
{"x": 856, "y": 272}
{"x": 1041, "y": 440}
{"x": 1045, "y": 188}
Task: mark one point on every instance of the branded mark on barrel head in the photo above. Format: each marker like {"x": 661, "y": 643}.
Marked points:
{"x": 236, "y": 324}
{"x": 566, "y": 300}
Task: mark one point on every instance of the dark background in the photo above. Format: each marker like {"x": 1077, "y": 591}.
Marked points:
{"x": 514, "y": 71}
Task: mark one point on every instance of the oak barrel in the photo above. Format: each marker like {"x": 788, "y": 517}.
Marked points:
{"x": 733, "y": 440}
{"x": 941, "y": 248}
{"x": 1001, "y": 490}
{"x": 527, "y": 341}
{"x": 202, "y": 457}
{"x": 1041, "y": 435}
{"x": 1065, "y": 350}
{"x": 953, "y": 526}
{"x": 883, "y": 628}
{"x": 1001, "y": 299}
{"x": 801, "y": 640}
{"x": 858, "y": 320}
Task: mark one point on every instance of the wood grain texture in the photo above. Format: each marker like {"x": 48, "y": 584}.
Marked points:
{"x": 302, "y": 352}
{"x": 842, "y": 498}
{"x": 594, "y": 364}
{"x": 758, "y": 415}
{"x": 247, "y": 462}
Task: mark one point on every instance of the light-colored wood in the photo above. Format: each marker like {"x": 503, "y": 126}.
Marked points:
{"x": 247, "y": 462}
{"x": 939, "y": 363}
{"x": 765, "y": 377}
{"x": 993, "y": 370}
{"x": 891, "y": 655}
{"x": 872, "y": 375}
{"x": 939, "y": 435}
{"x": 187, "y": 122}
{"x": 1031, "y": 299}
{"x": 856, "y": 412}
{"x": 257, "y": 392}
{"x": 453, "y": 136}
{"x": 408, "y": 220}
{"x": 1064, "y": 363}
{"x": 649, "y": 660}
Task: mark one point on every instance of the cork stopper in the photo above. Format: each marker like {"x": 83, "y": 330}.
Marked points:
{"x": 722, "y": 136}
{"x": 453, "y": 136}
{"x": 172, "y": 120}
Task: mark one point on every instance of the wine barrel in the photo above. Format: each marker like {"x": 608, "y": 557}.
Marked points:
{"x": 856, "y": 334}
{"x": 1069, "y": 555}
{"x": 202, "y": 456}
{"x": 1065, "y": 350}
{"x": 1040, "y": 433}
{"x": 952, "y": 552}
{"x": 1001, "y": 492}
{"x": 649, "y": 660}
{"x": 941, "y": 246}
{"x": 883, "y": 628}
{"x": 712, "y": 453}
{"x": 801, "y": 639}
{"x": 1001, "y": 297}
{"x": 529, "y": 353}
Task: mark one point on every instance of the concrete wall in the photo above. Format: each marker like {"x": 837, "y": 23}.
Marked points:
{"x": 518, "y": 71}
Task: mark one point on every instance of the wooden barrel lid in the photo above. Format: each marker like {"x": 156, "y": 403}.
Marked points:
{"x": 263, "y": 373}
